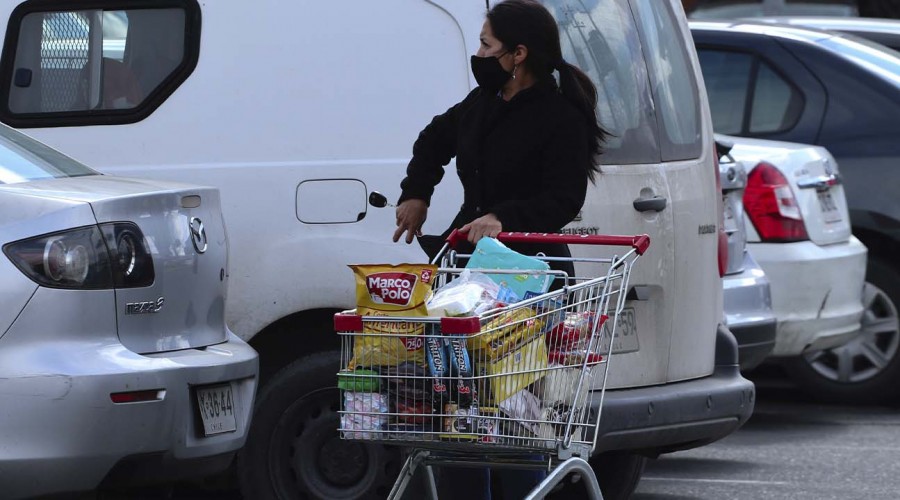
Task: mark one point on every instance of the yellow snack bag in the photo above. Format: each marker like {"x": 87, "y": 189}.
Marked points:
{"x": 391, "y": 290}
{"x": 507, "y": 331}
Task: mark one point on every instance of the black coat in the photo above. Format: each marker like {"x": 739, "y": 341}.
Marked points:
{"x": 525, "y": 161}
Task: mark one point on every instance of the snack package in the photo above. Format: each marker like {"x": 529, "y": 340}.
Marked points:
{"x": 517, "y": 370}
{"x": 362, "y": 415}
{"x": 576, "y": 328}
{"x": 470, "y": 294}
{"x": 491, "y": 254}
{"x": 439, "y": 366}
{"x": 391, "y": 290}
{"x": 462, "y": 370}
{"x": 502, "y": 334}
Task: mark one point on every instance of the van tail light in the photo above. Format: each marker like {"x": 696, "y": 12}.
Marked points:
{"x": 112, "y": 255}
{"x": 772, "y": 207}
{"x": 723, "y": 236}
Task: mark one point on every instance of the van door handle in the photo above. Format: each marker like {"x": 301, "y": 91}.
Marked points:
{"x": 653, "y": 204}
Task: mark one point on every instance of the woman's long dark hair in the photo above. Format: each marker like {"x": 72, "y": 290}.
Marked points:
{"x": 528, "y": 23}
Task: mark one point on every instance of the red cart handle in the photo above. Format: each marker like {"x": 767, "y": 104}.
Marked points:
{"x": 639, "y": 243}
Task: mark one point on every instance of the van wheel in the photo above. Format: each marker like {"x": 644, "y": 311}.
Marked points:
{"x": 294, "y": 451}
{"x": 866, "y": 369}
{"x": 618, "y": 473}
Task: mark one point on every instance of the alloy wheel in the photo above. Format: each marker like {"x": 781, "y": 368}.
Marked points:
{"x": 868, "y": 354}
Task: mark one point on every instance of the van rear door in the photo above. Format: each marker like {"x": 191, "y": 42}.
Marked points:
{"x": 658, "y": 178}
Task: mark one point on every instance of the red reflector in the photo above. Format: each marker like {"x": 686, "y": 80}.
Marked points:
{"x": 460, "y": 326}
{"x": 348, "y": 322}
{"x": 137, "y": 396}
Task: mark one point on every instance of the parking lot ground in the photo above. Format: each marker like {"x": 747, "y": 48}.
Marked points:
{"x": 792, "y": 448}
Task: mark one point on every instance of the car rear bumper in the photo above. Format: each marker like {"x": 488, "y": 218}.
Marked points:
{"x": 63, "y": 433}
{"x": 816, "y": 292}
{"x": 680, "y": 415}
{"x": 747, "y": 302}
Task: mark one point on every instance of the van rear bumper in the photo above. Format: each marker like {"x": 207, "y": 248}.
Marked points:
{"x": 680, "y": 415}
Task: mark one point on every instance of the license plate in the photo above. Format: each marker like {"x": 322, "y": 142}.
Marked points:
{"x": 829, "y": 208}
{"x": 216, "y": 409}
{"x": 626, "y": 339}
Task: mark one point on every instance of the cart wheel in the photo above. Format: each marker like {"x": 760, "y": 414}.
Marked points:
{"x": 618, "y": 473}
{"x": 293, "y": 449}
{"x": 866, "y": 369}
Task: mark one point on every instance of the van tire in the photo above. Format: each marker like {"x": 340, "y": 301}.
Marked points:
{"x": 816, "y": 373}
{"x": 618, "y": 473}
{"x": 293, "y": 450}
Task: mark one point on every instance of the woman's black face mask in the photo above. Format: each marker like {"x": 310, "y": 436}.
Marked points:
{"x": 488, "y": 72}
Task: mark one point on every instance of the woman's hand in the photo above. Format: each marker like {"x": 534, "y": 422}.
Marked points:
{"x": 411, "y": 214}
{"x": 487, "y": 225}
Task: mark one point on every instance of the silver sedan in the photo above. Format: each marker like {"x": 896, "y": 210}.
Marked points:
{"x": 115, "y": 361}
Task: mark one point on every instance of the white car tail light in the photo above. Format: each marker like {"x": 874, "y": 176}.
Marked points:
{"x": 111, "y": 255}
{"x": 772, "y": 207}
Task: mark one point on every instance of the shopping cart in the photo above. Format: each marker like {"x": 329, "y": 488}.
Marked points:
{"x": 517, "y": 386}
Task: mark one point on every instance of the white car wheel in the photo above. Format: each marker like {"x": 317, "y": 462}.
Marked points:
{"x": 869, "y": 354}
{"x": 865, "y": 370}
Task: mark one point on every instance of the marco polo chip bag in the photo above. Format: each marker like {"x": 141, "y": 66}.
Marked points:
{"x": 391, "y": 290}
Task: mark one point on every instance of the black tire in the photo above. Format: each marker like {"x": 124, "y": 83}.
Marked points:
{"x": 618, "y": 473}
{"x": 871, "y": 362}
{"x": 293, "y": 450}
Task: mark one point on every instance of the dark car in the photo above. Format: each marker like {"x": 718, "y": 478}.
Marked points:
{"x": 883, "y": 31}
{"x": 842, "y": 92}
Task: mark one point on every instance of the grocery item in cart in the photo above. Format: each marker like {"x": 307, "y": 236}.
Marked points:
{"x": 525, "y": 410}
{"x": 366, "y": 412}
{"x": 460, "y": 422}
{"x": 462, "y": 372}
{"x": 506, "y": 331}
{"x": 406, "y": 381}
{"x": 492, "y": 254}
{"x": 439, "y": 365}
{"x": 517, "y": 370}
{"x": 359, "y": 380}
{"x": 576, "y": 326}
{"x": 470, "y": 294}
{"x": 391, "y": 290}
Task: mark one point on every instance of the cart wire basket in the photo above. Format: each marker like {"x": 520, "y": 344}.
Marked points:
{"x": 519, "y": 385}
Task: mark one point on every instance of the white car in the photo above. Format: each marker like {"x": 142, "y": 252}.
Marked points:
{"x": 798, "y": 229}
{"x": 116, "y": 366}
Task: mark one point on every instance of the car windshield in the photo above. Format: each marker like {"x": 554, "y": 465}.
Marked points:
{"x": 23, "y": 159}
{"x": 875, "y": 57}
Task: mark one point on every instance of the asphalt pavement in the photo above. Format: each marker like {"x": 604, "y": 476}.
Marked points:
{"x": 791, "y": 448}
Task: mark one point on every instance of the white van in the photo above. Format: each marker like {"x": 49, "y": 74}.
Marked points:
{"x": 298, "y": 110}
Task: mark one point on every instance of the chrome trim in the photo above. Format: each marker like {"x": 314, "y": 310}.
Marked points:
{"x": 198, "y": 235}
{"x": 820, "y": 183}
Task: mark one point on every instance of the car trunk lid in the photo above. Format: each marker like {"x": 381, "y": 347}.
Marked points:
{"x": 183, "y": 229}
{"x": 812, "y": 174}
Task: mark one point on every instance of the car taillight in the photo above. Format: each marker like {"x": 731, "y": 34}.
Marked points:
{"x": 771, "y": 206}
{"x": 723, "y": 236}
{"x": 112, "y": 255}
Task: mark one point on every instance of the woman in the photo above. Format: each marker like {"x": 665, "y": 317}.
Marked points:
{"x": 525, "y": 149}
